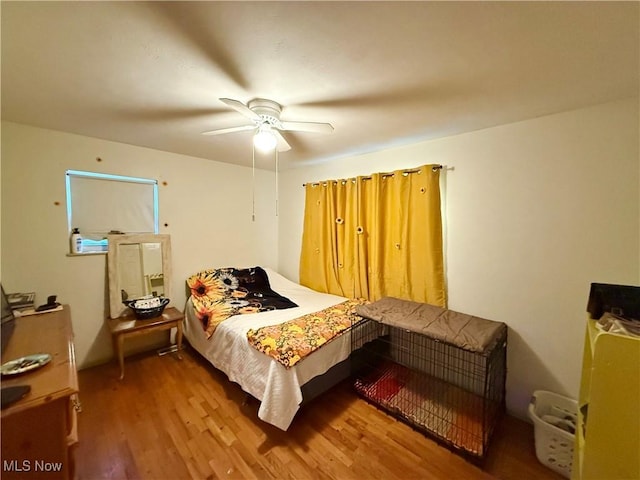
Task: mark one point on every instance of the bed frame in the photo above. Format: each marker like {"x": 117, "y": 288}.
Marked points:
{"x": 322, "y": 383}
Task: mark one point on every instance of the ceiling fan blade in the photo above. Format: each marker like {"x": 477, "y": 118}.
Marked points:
{"x": 313, "y": 127}
{"x": 229, "y": 130}
{"x": 282, "y": 144}
{"x": 242, "y": 108}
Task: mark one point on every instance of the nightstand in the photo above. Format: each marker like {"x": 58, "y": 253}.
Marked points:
{"x": 128, "y": 326}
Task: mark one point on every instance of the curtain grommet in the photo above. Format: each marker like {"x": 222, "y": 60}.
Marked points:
{"x": 339, "y": 220}
{"x": 398, "y": 246}
{"x": 423, "y": 190}
{"x": 359, "y": 230}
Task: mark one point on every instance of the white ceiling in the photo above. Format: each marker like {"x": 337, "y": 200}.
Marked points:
{"x": 383, "y": 73}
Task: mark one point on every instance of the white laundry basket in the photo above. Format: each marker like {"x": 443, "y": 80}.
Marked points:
{"x": 554, "y": 446}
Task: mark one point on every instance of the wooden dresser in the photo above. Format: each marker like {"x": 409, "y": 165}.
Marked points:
{"x": 39, "y": 430}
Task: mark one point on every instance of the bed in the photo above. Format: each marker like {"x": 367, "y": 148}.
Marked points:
{"x": 280, "y": 390}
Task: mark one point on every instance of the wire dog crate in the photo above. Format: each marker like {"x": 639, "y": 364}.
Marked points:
{"x": 452, "y": 394}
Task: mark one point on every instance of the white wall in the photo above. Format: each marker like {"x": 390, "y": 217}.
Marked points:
{"x": 534, "y": 212}
{"x": 206, "y": 204}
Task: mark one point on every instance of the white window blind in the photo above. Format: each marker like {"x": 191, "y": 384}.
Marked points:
{"x": 99, "y": 203}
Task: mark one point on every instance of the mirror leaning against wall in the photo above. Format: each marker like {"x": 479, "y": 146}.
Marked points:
{"x": 139, "y": 266}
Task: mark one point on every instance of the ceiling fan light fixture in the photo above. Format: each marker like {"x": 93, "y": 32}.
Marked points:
{"x": 264, "y": 140}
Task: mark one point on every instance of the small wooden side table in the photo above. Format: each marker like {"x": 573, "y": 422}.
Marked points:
{"x": 128, "y": 326}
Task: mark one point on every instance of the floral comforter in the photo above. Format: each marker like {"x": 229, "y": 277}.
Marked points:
{"x": 291, "y": 341}
{"x": 218, "y": 294}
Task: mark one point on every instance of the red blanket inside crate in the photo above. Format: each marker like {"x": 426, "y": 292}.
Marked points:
{"x": 448, "y": 411}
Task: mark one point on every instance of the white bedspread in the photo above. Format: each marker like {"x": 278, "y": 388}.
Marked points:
{"x": 277, "y": 387}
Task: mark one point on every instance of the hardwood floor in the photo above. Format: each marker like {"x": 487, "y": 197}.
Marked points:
{"x": 172, "y": 419}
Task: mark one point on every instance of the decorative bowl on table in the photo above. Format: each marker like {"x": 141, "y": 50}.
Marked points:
{"x": 148, "y": 307}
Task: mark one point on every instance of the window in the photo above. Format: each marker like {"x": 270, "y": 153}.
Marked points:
{"x": 98, "y": 204}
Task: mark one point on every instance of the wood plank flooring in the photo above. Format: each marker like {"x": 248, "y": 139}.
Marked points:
{"x": 172, "y": 419}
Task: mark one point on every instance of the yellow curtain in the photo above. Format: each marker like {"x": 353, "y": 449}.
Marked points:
{"x": 375, "y": 236}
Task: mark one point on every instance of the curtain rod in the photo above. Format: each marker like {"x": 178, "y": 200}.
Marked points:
{"x": 384, "y": 175}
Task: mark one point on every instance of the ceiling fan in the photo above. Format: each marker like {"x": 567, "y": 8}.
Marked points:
{"x": 265, "y": 115}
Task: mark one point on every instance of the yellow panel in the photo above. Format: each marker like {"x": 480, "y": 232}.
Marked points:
{"x": 609, "y": 444}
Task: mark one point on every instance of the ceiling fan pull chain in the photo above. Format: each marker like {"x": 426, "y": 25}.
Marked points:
{"x": 277, "y": 196}
{"x": 253, "y": 183}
